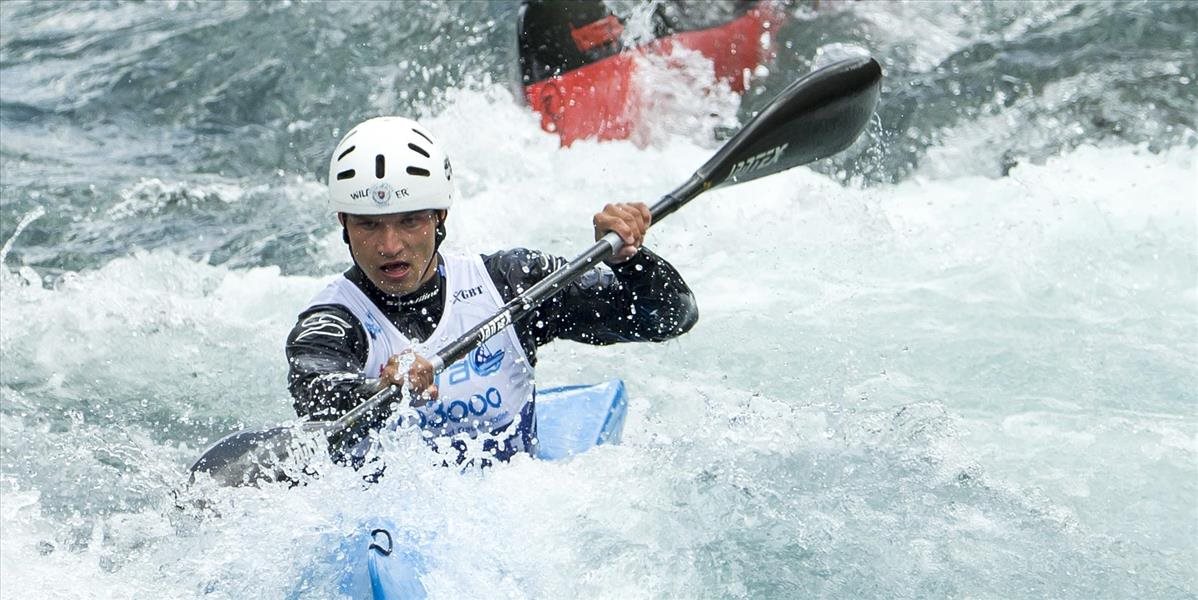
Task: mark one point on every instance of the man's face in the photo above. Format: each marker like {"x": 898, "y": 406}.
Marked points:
{"x": 395, "y": 250}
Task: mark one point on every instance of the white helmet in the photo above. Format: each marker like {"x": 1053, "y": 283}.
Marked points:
{"x": 389, "y": 165}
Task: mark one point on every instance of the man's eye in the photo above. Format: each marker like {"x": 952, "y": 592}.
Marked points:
{"x": 367, "y": 224}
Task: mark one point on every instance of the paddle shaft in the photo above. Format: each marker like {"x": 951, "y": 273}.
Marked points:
{"x": 521, "y": 305}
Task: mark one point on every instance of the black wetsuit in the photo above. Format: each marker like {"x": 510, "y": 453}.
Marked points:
{"x": 642, "y": 299}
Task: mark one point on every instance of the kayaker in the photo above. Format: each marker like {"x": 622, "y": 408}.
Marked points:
{"x": 391, "y": 186}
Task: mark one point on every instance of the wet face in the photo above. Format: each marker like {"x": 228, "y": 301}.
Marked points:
{"x": 396, "y": 251}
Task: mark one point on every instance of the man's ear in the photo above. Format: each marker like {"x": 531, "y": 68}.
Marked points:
{"x": 442, "y": 215}
{"x": 344, "y": 231}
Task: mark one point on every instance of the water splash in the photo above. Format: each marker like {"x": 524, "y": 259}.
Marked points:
{"x": 29, "y": 217}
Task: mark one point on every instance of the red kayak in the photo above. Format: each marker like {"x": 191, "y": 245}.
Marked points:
{"x": 578, "y": 71}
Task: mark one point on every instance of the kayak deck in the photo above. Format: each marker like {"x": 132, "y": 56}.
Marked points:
{"x": 574, "y": 419}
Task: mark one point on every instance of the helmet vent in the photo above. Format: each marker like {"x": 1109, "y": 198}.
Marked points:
{"x": 417, "y": 132}
{"x": 347, "y": 151}
{"x": 380, "y": 166}
{"x": 347, "y": 174}
{"x": 418, "y": 171}
{"x": 420, "y": 150}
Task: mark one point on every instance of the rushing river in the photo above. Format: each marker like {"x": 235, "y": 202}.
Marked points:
{"x": 958, "y": 360}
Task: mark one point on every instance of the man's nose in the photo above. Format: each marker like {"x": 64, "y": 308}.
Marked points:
{"x": 391, "y": 241}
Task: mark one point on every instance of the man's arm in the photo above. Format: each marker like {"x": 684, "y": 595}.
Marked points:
{"x": 641, "y": 300}
{"x": 326, "y": 352}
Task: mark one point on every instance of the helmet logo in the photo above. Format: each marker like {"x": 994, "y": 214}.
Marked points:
{"x": 448, "y": 169}
{"x": 380, "y": 193}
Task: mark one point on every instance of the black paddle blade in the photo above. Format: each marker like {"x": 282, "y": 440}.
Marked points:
{"x": 256, "y": 457}
{"x": 813, "y": 118}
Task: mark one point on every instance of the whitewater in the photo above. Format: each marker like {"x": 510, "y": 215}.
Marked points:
{"x": 959, "y": 360}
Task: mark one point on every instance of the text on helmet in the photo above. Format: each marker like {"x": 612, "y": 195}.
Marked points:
{"x": 380, "y": 193}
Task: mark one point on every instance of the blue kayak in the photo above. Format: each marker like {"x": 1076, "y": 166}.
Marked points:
{"x": 385, "y": 562}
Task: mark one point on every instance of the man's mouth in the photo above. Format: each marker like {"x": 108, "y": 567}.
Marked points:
{"x": 395, "y": 269}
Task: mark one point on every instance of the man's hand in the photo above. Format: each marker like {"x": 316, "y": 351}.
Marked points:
{"x": 419, "y": 374}
{"x": 630, "y": 221}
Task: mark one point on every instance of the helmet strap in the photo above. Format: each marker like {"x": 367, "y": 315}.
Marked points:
{"x": 345, "y": 238}
{"x": 344, "y": 228}
{"x": 438, "y": 237}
